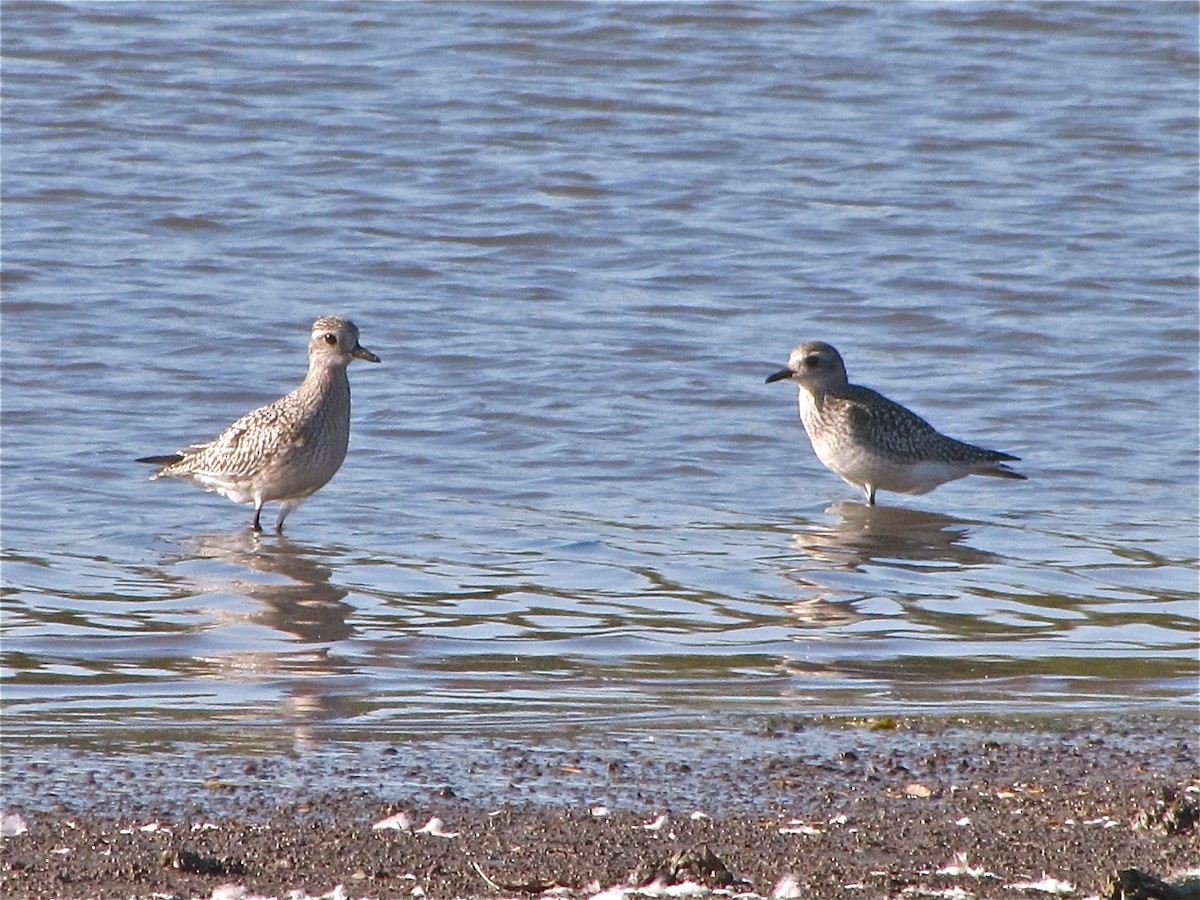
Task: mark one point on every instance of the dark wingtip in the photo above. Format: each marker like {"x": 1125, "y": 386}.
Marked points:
{"x": 168, "y": 460}
{"x": 999, "y": 470}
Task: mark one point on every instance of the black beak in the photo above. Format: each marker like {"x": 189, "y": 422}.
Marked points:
{"x": 780, "y": 375}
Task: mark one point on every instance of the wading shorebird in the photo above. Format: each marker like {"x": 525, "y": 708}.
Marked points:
{"x": 287, "y": 450}
{"x": 872, "y": 442}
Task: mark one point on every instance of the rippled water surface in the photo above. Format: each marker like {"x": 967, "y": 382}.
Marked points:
{"x": 580, "y": 236}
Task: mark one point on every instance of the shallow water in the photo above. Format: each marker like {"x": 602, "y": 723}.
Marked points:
{"x": 580, "y": 237}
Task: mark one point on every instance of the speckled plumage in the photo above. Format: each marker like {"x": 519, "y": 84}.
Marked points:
{"x": 287, "y": 450}
{"x": 872, "y": 442}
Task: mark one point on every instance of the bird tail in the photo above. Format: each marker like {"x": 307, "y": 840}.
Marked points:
{"x": 999, "y": 470}
{"x": 169, "y": 460}
{"x": 164, "y": 462}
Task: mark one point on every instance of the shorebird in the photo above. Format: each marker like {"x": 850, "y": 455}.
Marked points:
{"x": 872, "y": 442}
{"x": 287, "y": 450}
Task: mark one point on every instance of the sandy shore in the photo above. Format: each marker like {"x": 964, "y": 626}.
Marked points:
{"x": 786, "y": 809}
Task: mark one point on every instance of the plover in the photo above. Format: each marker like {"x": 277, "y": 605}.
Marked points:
{"x": 872, "y": 442}
{"x": 287, "y": 450}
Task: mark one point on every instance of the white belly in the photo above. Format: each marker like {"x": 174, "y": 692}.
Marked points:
{"x": 864, "y": 470}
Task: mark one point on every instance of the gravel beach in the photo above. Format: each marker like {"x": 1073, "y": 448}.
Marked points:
{"x": 783, "y": 808}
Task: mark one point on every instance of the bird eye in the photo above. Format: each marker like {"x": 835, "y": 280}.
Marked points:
{"x": 811, "y": 362}
{"x": 330, "y": 338}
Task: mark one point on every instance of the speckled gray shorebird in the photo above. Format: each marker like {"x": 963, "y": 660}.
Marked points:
{"x": 872, "y": 442}
{"x": 288, "y": 450}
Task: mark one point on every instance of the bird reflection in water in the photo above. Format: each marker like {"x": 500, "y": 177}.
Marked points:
{"x": 875, "y": 538}
{"x": 890, "y": 535}
{"x": 306, "y": 605}
{"x": 294, "y": 595}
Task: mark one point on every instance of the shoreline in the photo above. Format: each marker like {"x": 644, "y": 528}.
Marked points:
{"x": 785, "y": 808}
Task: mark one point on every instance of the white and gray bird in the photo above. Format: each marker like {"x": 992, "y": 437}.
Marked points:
{"x": 287, "y": 450}
{"x": 872, "y": 442}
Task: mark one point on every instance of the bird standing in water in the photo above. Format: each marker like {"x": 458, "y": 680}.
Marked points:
{"x": 872, "y": 442}
{"x": 287, "y": 450}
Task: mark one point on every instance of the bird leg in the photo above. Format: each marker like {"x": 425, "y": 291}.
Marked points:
{"x": 255, "y": 525}
{"x": 284, "y": 508}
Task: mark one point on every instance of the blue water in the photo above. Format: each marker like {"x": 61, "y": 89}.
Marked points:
{"x": 580, "y": 236}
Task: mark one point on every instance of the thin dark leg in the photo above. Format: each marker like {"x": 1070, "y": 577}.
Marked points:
{"x": 255, "y": 525}
{"x": 870, "y": 495}
{"x": 284, "y": 509}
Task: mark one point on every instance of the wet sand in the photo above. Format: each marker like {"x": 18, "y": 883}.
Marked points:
{"x": 781, "y": 808}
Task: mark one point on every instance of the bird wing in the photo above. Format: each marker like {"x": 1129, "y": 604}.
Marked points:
{"x": 241, "y": 449}
{"x": 877, "y": 421}
{"x": 906, "y": 435}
